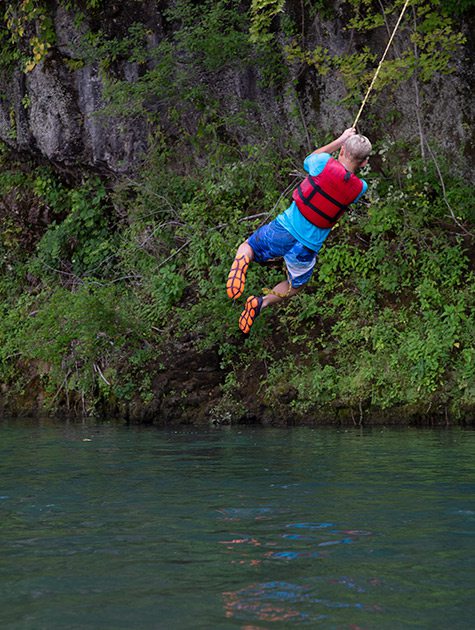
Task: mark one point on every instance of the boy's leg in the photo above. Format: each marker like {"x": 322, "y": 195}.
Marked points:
{"x": 280, "y": 292}
{"x": 269, "y": 241}
{"x": 300, "y": 262}
{"x": 237, "y": 276}
{"x": 254, "y": 305}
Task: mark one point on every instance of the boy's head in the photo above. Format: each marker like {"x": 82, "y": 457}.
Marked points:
{"x": 357, "y": 149}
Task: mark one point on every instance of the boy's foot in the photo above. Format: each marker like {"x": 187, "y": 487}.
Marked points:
{"x": 237, "y": 277}
{"x": 251, "y": 311}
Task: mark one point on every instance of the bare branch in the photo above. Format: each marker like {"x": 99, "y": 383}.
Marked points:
{"x": 444, "y": 192}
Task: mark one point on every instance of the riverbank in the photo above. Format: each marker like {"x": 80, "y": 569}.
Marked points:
{"x": 192, "y": 391}
{"x": 384, "y": 330}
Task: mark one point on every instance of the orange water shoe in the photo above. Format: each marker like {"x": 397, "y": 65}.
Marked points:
{"x": 251, "y": 311}
{"x": 237, "y": 277}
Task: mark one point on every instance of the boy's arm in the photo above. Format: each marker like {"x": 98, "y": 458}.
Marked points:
{"x": 336, "y": 144}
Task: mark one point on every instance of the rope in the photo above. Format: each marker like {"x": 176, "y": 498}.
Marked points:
{"x": 380, "y": 64}
{"x": 267, "y": 291}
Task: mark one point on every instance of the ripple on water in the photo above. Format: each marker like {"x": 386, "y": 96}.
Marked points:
{"x": 310, "y": 525}
{"x": 281, "y": 601}
{"x": 246, "y": 513}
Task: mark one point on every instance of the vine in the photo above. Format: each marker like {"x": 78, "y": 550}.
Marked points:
{"x": 433, "y": 33}
{"x": 31, "y": 28}
{"x": 262, "y": 14}
{"x": 28, "y": 32}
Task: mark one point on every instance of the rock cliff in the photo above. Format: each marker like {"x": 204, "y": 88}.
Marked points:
{"x": 53, "y": 111}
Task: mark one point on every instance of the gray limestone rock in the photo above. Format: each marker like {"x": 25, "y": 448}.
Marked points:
{"x": 55, "y": 111}
{"x": 55, "y": 120}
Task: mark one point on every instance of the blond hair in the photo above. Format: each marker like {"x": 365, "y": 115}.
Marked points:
{"x": 358, "y": 147}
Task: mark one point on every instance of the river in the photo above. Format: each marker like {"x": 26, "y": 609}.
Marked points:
{"x": 108, "y": 526}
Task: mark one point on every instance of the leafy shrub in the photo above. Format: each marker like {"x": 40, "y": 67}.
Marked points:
{"x": 83, "y": 337}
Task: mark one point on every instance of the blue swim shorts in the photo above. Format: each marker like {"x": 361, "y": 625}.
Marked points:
{"x": 274, "y": 241}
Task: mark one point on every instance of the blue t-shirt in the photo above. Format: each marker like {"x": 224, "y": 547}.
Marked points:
{"x": 293, "y": 220}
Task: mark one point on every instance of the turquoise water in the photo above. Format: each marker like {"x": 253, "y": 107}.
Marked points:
{"x": 105, "y": 526}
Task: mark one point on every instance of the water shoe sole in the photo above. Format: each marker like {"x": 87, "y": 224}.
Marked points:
{"x": 251, "y": 310}
{"x": 237, "y": 277}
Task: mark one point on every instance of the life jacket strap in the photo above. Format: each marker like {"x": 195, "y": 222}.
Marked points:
{"x": 317, "y": 189}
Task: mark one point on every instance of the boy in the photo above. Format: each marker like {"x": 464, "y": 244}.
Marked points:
{"x": 298, "y": 233}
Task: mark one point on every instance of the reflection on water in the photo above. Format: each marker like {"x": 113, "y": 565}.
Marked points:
{"x": 104, "y": 526}
{"x": 276, "y": 601}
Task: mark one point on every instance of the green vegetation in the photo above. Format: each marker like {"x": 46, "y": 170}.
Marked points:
{"x": 97, "y": 282}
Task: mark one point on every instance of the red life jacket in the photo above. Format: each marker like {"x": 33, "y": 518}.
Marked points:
{"x": 324, "y": 198}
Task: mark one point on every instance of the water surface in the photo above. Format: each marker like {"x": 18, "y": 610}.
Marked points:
{"x": 105, "y": 526}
